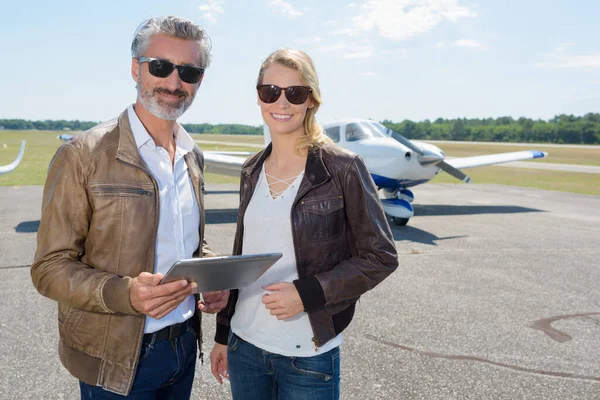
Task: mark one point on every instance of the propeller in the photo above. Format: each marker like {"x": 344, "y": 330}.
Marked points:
{"x": 455, "y": 172}
{"x": 428, "y": 157}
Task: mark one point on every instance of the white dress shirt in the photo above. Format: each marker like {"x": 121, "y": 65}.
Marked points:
{"x": 179, "y": 213}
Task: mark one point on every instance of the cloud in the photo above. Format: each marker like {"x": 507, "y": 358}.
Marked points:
{"x": 284, "y": 8}
{"x": 211, "y": 10}
{"x": 402, "y": 19}
{"x": 563, "y": 60}
{"x": 469, "y": 43}
{"x": 356, "y": 50}
{"x": 360, "y": 52}
{"x": 333, "y": 47}
{"x": 368, "y": 74}
{"x": 304, "y": 41}
{"x": 361, "y": 49}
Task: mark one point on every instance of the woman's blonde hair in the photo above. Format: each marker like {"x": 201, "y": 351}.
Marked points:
{"x": 301, "y": 62}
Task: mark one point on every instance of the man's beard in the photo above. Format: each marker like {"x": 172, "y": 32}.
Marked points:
{"x": 160, "y": 109}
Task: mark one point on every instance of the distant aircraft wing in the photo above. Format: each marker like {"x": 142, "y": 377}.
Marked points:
{"x": 4, "y": 169}
{"x": 65, "y": 137}
{"x": 479, "y": 161}
{"x": 223, "y": 164}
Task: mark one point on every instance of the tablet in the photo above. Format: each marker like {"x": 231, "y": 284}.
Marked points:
{"x": 221, "y": 273}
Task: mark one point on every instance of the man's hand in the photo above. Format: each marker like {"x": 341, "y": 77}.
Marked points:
{"x": 213, "y": 302}
{"x": 218, "y": 362}
{"x": 154, "y": 300}
{"x": 284, "y": 302}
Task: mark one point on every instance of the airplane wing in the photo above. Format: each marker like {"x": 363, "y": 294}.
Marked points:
{"x": 4, "y": 169}
{"x": 223, "y": 164}
{"x": 479, "y": 161}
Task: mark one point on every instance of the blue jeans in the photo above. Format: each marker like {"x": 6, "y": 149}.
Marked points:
{"x": 165, "y": 371}
{"x": 259, "y": 375}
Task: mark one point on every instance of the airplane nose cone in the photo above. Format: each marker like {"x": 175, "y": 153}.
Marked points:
{"x": 430, "y": 157}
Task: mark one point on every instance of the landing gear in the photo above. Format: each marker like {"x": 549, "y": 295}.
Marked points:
{"x": 397, "y": 205}
{"x": 399, "y": 221}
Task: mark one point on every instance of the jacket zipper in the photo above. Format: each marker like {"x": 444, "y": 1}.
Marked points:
{"x": 316, "y": 342}
{"x": 109, "y": 189}
{"x": 157, "y": 204}
{"x": 298, "y": 197}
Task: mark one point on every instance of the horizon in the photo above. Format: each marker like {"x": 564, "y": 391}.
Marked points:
{"x": 391, "y": 60}
{"x": 380, "y": 121}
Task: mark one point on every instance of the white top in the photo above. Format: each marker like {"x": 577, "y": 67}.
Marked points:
{"x": 267, "y": 229}
{"x": 179, "y": 213}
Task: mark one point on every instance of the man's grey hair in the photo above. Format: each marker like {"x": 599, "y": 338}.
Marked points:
{"x": 175, "y": 27}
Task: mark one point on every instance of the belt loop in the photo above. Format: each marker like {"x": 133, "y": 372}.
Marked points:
{"x": 153, "y": 340}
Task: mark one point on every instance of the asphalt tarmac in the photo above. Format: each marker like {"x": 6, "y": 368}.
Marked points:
{"x": 496, "y": 297}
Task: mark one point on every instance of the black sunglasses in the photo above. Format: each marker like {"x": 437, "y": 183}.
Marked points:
{"x": 163, "y": 68}
{"x": 294, "y": 94}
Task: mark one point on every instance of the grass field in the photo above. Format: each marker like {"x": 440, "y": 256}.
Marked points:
{"x": 563, "y": 181}
{"x": 251, "y": 139}
{"x": 41, "y": 146}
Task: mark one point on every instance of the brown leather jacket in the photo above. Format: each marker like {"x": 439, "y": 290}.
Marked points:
{"x": 342, "y": 240}
{"x": 98, "y": 231}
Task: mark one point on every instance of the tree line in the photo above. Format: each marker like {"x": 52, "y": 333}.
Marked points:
{"x": 76, "y": 125}
{"x": 562, "y": 129}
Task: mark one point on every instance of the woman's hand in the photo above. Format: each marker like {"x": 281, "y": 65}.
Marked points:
{"x": 218, "y": 362}
{"x": 213, "y": 302}
{"x": 284, "y": 302}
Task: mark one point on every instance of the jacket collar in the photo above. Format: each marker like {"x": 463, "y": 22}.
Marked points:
{"x": 128, "y": 150}
{"x": 315, "y": 171}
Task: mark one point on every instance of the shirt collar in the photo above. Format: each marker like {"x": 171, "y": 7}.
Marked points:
{"x": 183, "y": 140}
{"x": 140, "y": 134}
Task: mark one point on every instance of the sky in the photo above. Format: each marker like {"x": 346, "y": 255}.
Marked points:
{"x": 378, "y": 59}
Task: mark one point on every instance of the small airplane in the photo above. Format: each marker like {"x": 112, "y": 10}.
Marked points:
{"x": 395, "y": 162}
{"x": 5, "y": 169}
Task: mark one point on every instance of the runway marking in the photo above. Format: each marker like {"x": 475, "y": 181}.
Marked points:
{"x": 545, "y": 325}
{"x": 485, "y": 361}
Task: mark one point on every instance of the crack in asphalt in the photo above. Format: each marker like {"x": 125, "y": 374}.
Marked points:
{"x": 15, "y": 266}
{"x": 483, "y": 360}
{"x": 545, "y": 325}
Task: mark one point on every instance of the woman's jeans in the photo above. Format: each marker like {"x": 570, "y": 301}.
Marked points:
{"x": 165, "y": 371}
{"x": 259, "y": 375}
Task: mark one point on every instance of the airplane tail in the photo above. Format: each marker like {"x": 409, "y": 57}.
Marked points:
{"x": 5, "y": 169}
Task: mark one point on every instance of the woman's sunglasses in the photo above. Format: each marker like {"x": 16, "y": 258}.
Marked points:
{"x": 163, "y": 68}
{"x": 294, "y": 94}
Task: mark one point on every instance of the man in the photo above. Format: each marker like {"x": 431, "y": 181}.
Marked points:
{"x": 122, "y": 202}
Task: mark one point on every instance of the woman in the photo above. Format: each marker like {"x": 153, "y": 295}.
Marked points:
{"x": 317, "y": 204}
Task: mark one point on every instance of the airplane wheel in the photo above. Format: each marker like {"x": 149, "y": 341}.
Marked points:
{"x": 399, "y": 221}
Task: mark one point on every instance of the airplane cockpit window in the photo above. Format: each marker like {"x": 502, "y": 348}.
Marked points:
{"x": 379, "y": 129}
{"x": 333, "y": 133}
{"x": 363, "y": 130}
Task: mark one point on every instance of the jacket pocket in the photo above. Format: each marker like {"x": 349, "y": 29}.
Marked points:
{"x": 72, "y": 319}
{"x": 83, "y": 331}
{"x": 324, "y": 217}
